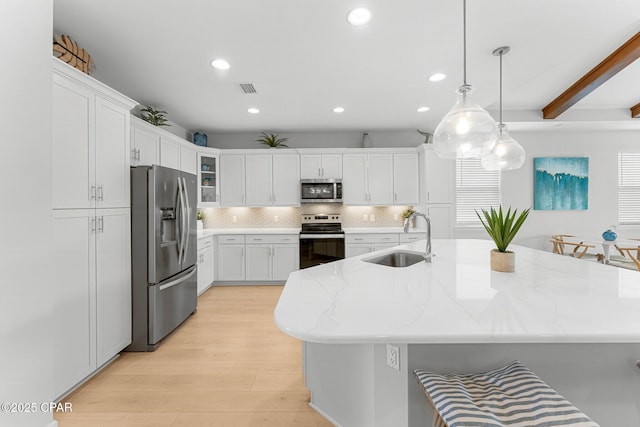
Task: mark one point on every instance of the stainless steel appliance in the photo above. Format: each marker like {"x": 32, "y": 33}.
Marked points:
{"x": 321, "y": 191}
{"x": 321, "y": 239}
{"x": 163, "y": 252}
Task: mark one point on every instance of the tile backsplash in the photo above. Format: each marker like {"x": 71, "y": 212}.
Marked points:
{"x": 289, "y": 217}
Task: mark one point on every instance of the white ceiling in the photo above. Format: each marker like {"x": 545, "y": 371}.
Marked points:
{"x": 304, "y": 59}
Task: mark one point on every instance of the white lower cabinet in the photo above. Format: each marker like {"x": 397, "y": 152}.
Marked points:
{"x": 230, "y": 258}
{"x": 360, "y": 244}
{"x": 205, "y": 263}
{"x": 257, "y": 257}
{"x": 92, "y": 278}
{"x": 271, "y": 257}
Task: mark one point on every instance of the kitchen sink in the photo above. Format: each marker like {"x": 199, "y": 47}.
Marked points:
{"x": 397, "y": 259}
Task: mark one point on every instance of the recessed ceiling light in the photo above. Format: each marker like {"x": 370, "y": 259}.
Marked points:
{"x": 253, "y": 110}
{"x": 338, "y": 110}
{"x": 220, "y": 64}
{"x": 437, "y": 77}
{"x": 423, "y": 109}
{"x": 359, "y": 16}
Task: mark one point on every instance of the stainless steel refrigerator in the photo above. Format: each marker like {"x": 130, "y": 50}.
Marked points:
{"x": 163, "y": 253}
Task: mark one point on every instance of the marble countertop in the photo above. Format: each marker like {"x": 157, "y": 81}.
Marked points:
{"x": 459, "y": 299}
{"x": 353, "y": 230}
{"x": 217, "y": 231}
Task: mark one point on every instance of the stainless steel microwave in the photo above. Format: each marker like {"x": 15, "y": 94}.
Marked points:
{"x": 321, "y": 191}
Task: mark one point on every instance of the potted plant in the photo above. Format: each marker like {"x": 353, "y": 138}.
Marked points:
{"x": 200, "y": 216}
{"x": 502, "y": 228}
{"x": 407, "y": 213}
{"x": 272, "y": 140}
{"x": 153, "y": 116}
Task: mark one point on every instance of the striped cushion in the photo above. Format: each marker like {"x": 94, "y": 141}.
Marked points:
{"x": 511, "y": 396}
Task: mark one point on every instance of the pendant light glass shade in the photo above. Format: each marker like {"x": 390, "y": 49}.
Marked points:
{"x": 466, "y": 131}
{"x": 507, "y": 154}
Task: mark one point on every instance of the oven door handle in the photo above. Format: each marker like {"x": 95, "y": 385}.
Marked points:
{"x": 321, "y": 236}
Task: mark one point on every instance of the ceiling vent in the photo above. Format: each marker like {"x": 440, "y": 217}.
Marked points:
{"x": 247, "y": 87}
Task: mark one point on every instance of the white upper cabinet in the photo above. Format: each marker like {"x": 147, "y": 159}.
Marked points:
{"x": 112, "y": 154}
{"x": 354, "y": 180}
{"x": 380, "y": 179}
{"x": 367, "y": 179}
{"x": 272, "y": 180}
{"x": 91, "y": 142}
{"x": 189, "y": 159}
{"x": 405, "y": 179}
{"x": 232, "y": 179}
{"x": 145, "y": 144}
{"x": 259, "y": 181}
{"x": 208, "y": 189}
{"x": 438, "y": 177}
{"x": 321, "y": 166}
{"x": 286, "y": 180}
{"x": 169, "y": 152}
{"x": 73, "y": 144}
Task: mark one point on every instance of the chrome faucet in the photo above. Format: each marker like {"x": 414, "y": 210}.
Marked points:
{"x": 428, "y": 256}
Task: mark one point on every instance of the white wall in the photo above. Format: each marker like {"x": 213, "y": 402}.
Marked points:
{"x": 26, "y": 356}
{"x": 601, "y": 147}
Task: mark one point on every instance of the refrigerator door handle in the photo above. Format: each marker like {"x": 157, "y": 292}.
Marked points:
{"x": 186, "y": 209}
{"x": 179, "y": 221}
{"x": 179, "y": 280}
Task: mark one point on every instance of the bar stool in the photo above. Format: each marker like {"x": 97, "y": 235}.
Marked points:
{"x": 510, "y": 396}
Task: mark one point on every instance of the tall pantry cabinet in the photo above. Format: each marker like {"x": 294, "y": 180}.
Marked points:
{"x": 91, "y": 224}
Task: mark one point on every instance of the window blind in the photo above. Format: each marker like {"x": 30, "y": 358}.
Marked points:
{"x": 629, "y": 188}
{"x": 476, "y": 189}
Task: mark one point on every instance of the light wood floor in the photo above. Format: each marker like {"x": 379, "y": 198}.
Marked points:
{"x": 228, "y": 365}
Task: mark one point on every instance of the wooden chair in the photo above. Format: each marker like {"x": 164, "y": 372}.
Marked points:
{"x": 559, "y": 242}
{"x": 630, "y": 256}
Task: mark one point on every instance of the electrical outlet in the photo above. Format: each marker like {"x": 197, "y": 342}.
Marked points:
{"x": 275, "y": 218}
{"x": 393, "y": 356}
{"x": 372, "y": 218}
{"x": 395, "y": 217}
{"x": 234, "y": 218}
{"x": 365, "y": 217}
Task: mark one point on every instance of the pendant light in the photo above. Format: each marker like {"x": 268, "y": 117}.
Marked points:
{"x": 507, "y": 154}
{"x": 467, "y": 130}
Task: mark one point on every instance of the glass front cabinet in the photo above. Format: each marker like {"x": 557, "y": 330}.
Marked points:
{"x": 208, "y": 190}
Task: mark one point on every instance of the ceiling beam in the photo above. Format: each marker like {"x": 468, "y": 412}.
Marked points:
{"x": 618, "y": 60}
{"x": 635, "y": 111}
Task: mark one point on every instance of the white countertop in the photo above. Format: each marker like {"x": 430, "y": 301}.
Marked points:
{"x": 458, "y": 299}
{"x": 353, "y": 230}
{"x": 217, "y": 231}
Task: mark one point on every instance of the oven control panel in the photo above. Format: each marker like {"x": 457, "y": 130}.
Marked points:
{"x": 321, "y": 218}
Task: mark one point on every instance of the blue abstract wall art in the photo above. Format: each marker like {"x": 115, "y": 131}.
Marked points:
{"x": 561, "y": 183}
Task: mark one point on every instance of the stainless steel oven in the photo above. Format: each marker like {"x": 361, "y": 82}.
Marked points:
{"x": 321, "y": 239}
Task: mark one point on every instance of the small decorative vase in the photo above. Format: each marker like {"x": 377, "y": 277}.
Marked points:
{"x": 503, "y": 261}
{"x": 609, "y": 235}
{"x": 366, "y": 142}
{"x": 200, "y": 139}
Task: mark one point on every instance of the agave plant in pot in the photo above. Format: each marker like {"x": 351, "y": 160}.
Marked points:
{"x": 502, "y": 228}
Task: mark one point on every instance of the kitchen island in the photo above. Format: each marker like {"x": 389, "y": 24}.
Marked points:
{"x": 574, "y": 323}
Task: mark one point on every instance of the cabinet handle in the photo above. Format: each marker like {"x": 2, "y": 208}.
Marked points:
{"x": 100, "y": 192}
{"x": 138, "y": 154}
{"x": 92, "y": 192}
{"x": 93, "y": 225}
{"x": 133, "y": 154}
{"x": 322, "y": 171}
{"x": 319, "y": 171}
{"x": 428, "y": 198}
{"x": 101, "y": 224}
{"x": 357, "y": 238}
{"x": 387, "y": 238}
{"x": 257, "y": 239}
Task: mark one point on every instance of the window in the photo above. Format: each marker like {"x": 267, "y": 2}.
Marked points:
{"x": 476, "y": 188}
{"x": 629, "y": 188}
